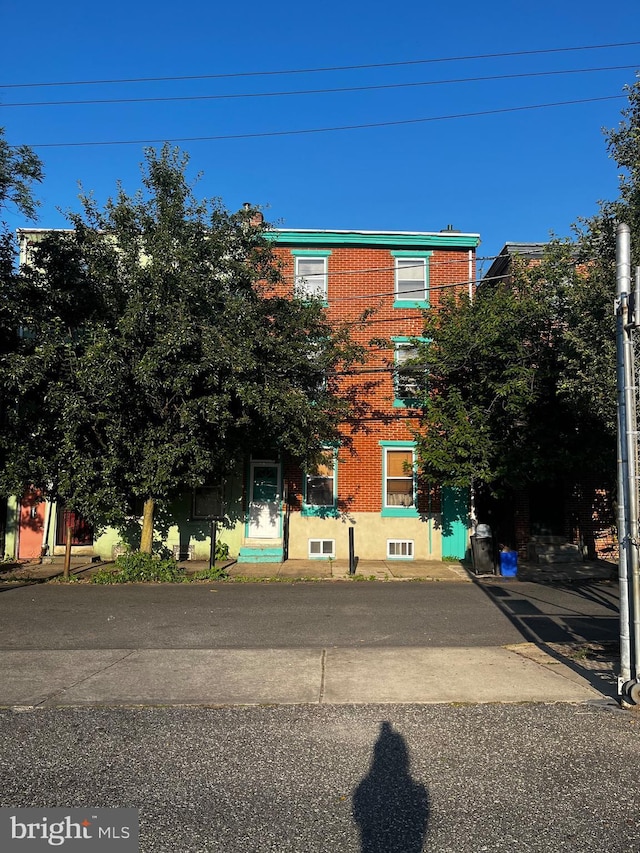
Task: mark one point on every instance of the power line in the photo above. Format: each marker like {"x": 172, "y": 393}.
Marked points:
{"x": 297, "y": 92}
{"x": 299, "y": 132}
{"x": 318, "y": 70}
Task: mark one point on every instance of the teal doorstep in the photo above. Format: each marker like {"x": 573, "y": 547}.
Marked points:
{"x": 261, "y": 555}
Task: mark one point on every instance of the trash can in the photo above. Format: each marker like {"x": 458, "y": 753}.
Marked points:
{"x": 508, "y": 564}
{"x": 482, "y": 552}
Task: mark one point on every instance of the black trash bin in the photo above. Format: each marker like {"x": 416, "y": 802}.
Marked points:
{"x": 482, "y": 550}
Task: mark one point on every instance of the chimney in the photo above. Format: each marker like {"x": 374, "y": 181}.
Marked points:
{"x": 256, "y": 219}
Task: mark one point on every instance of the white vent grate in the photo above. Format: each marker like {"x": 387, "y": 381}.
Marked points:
{"x": 400, "y": 549}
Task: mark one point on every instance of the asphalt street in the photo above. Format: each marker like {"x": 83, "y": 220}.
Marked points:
{"x": 310, "y": 615}
{"x": 332, "y": 779}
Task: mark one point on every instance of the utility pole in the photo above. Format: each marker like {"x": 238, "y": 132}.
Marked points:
{"x": 627, "y": 308}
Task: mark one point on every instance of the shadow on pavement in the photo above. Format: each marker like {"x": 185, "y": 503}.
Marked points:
{"x": 390, "y": 808}
{"x": 577, "y": 625}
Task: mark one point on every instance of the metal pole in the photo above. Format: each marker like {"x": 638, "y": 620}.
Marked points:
{"x": 212, "y": 552}
{"x": 623, "y": 251}
{"x": 633, "y": 510}
{"x": 352, "y": 553}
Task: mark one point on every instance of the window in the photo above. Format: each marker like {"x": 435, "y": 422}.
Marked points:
{"x": 322, "y": 549}
{"x": 399, "y": 484}
{"x": 311, "y": 277}
{"x": 411, "y": 279}
{"x": 320, "y": 487}
{"x": 400, "y": 549}
{"x": 408, "y": 384}
{"x": 399, "y": 478}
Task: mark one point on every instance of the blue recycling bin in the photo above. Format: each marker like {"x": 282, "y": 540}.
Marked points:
{"x": 508, "y": 564}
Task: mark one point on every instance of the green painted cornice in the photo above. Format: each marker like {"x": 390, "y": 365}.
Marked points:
{"x": 378, "y": 239}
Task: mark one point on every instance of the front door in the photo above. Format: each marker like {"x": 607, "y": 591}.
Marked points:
{"x": 264, "y": 500}
{"x": 455, "y": 522}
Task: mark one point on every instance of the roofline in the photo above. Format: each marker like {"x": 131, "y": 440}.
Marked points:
{"x": 500, "y": 265}
{"x": 338, "y": 237}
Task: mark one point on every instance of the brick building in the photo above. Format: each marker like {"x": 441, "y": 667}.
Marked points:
{"x": 370, "y": 483}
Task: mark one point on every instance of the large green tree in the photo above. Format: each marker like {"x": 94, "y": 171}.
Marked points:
{"x": 522, "y": 377}
{"x": 20, "y": 169}
{"x": 162, "y": 347}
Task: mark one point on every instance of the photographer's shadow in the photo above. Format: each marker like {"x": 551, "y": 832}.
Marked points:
{"x": 391, "y": 810}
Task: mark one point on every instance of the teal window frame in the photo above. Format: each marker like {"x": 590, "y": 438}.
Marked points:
{"x": 312, "y": 254}
{"x": 398, "y": 401}
{"x": 398, "y": 301}
{"x": 327, "y": 510}
{"x": 399, "y": 511}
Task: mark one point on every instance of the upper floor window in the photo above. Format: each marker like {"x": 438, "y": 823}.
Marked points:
{"x": 411, "y": 279}
{"x": 408, "y": 374}
{"x": 311, "y": 274}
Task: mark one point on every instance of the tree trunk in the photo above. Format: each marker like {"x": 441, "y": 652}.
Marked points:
{"x": 67, "y": 550}
{"x": 146, "y": 539}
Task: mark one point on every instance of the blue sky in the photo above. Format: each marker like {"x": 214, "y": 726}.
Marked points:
{"x": 511, "y": 176}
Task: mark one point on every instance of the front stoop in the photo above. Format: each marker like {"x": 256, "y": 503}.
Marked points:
{"x": 261, "y": 551}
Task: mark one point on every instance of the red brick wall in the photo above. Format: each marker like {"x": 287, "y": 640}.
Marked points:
{"x": 369, "y": 274}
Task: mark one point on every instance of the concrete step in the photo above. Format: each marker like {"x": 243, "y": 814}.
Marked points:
{"x": 261, "y": 554}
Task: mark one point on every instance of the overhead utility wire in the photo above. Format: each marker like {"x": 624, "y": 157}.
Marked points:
{"x": 318, "y": 70}
{"x": 237, "y": 96}
{"x": 274, "y": 133}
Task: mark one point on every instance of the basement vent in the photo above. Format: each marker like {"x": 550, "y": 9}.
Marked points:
{"x": 322, "y": 549}
{"x": 181, "y": 554}
{"x": 400, "y": 549}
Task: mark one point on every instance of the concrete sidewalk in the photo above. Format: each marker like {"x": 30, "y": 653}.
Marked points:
{"x": 214, "y": 677}
{"x": 387, "y": 570}
{"x": 44, "y": 677}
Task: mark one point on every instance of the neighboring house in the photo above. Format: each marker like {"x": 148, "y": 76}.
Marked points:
{"x": 550, "y": 521}
{"x": 370, "y": 482}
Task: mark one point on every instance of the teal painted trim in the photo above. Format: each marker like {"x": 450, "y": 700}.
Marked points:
{"x": 409, "y": 254}
{"x": 398, "y": 403}
{"x": 397, "y": 443}
{"x": 406, "y": 303}
{"x": 311, "y": 253}
{"x": 351, "y": 238}
{"x": 399, "y": 512}
{"x": 319, "y": 511}
{"x": 408, "y": 339}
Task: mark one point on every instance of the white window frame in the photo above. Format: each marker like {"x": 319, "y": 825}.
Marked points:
{"x": 320, "y": 289}
{"x": 408, "y": 476}
{"x": 323, "y": 555}
{"x": 417, "y": 294}
{"x": 408, "y": 542}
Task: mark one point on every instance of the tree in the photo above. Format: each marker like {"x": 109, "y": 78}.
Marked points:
{"x": 499, "y": 412}
{"x": 167, "y": 349}
{"x": 522, "y": 379}
{"x": 20, "y": 168}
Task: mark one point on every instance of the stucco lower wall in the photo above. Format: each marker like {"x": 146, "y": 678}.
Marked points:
{"x": 371, "y": 532}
